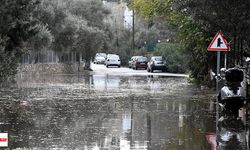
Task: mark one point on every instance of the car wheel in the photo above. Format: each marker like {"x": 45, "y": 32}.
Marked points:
{"x": 119, "y": 66}
{"x": 148, "y": 69}
{"x": 151, "y": 70}
{"x": 107, "y": 66}
{"x": 136, "y": 68}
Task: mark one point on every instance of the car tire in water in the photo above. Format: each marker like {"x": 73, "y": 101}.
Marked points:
{"x": 148, "y": 69}
{"x": 151, "y": 70}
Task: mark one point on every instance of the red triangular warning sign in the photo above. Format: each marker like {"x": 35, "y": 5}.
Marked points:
{"x": 219, "y": 43}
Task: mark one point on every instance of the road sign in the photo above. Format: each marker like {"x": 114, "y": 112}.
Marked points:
{"x": 219, "y": 43}
{"x": 3, "y": 139}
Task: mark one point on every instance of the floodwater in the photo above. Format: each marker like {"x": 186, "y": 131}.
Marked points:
{"x": 113, "y": 112}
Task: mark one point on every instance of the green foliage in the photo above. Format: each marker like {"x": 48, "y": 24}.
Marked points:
{"x": 121, "y": 45}
{"x": 195, "y": 41}
{"x": 8, "y": 66}
{"x": 63, "y": 26}
{"x": 42, "y": 39}
{"x": 140, "y": 52}
{"x": 75, "y": 25}
{"x": 8, "y": 62}
{"x": 147, "y": 39}
{"x": 17, "y": 25}
{"x": 152, "y": 8}
{"x": 197, "y": 21}
{"x": 176, "y": 58}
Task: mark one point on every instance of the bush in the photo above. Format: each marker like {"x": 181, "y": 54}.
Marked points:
{"x": 176, "y": 59}
{"x": 8, "y": 66}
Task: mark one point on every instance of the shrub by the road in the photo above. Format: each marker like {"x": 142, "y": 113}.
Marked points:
{"x": 175, "y": 57}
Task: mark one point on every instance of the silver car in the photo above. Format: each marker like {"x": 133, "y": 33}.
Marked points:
{"x": 157, "y": 63}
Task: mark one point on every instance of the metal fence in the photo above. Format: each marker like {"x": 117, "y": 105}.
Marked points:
{"x": 50, "y": 57}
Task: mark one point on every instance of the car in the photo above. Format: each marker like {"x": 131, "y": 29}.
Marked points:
{"x": 113, "y": 60}
{"x": 99, "y": 60}
{"x": 140, "y": 62}
{"x": 101, "y": 55}
{"x": 157, "y": 63}
{"x": 131, "y": 61}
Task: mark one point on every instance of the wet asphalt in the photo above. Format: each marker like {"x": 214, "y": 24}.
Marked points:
{"x": 115, "y": 109}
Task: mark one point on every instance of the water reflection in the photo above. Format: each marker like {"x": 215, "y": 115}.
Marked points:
{"x": 233, "y": 133}
{"x": 106, "y": 112}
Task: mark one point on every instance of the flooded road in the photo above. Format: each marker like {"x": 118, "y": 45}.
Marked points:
{"x": 106, "y": 111}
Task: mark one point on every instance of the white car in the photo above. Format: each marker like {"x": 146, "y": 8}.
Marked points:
{"x": 113, "y": 60}
{"x": 101, "y": 54}
{"x": 99, "y": 60}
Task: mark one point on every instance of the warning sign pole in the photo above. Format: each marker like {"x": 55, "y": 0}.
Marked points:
{"x": 218, "y": 70}
{"x": 225, "y": 62}
{"x": 218, "y": 44}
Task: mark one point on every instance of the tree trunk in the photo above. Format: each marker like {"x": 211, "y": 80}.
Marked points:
{"x": 87, "y": 65}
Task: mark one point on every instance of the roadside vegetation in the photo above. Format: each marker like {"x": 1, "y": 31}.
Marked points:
{"x": 196, "y": 22}
{"x": 41, "y": 25}
{"x": 175, "y": 56}
{"x": 16, "y": 27}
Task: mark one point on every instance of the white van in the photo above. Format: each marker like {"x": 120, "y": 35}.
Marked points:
{"x": 113, "y": 60}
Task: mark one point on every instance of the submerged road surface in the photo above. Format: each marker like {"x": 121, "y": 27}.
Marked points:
{"x": 114, "y": 109}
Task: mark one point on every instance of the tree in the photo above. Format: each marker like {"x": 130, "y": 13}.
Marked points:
{"x": 75, "y": 25}
{"x": 197, "y": 21}
{"x": 147, "y": 39}
{"x": 176, "y": 59}
{"x": 230, "y": 17}
{"x": 17, "y": 25}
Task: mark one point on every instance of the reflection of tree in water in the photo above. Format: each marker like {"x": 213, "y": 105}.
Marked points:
{"x": 70, "y": 123}
{"x": 197, "y": 120}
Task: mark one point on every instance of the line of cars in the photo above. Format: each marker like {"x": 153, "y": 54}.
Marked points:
{"x": 107, "y": 59}
{"x": 136, "y": 62}
{"x": 155, "y": 63}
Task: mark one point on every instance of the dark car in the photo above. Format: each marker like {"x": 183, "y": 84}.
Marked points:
{"x": 157, "y": 63}
{"x": 140, "y": 62}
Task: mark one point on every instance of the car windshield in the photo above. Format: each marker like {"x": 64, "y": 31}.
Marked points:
{"x": 142, "y": 59}
{"x": 100, "y": 55}
{"x": 114, "y": 57}
{"x": 158, "y": 58}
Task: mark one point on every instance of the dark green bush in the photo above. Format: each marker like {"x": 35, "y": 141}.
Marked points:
{"x": 176, "y": 59}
